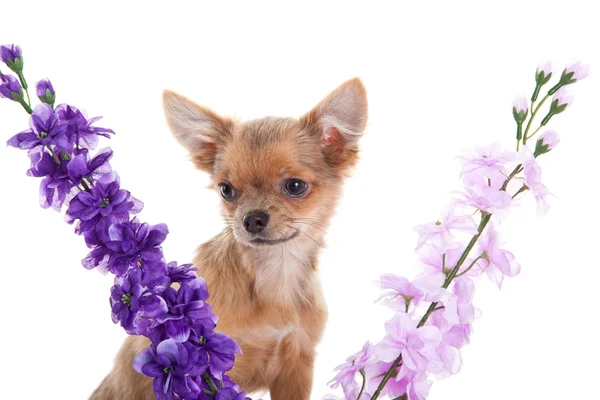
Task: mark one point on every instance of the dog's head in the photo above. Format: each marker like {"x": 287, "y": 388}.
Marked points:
{"x": 278, "y": 177}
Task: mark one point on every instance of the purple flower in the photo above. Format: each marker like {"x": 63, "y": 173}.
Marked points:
{"x": 79, "y": 129}
{"x": 533, "y": 180}
{"x": 438, "y": 232}
{"x": 133, "y": 244}
{"x": 45, "y": 92}
{"x": 104, "y": 200}
{"x": 187, "y": 307}
{"x": 546, "y": 142}
{"x": 486, "y": 198}
{"x": 12, "y": 56}
{"x": 443, "y": 261}
{"x": 168, "y": 365}
{"x": 486, "y": 161}
{"x": 417, "y": 345}
{"x": 181, "y": 273}
{"x": 10, "y": 87}
{"x": 57, "y": 184}
{"x": 575, "y": 72}
{"x": 348, "y": 370}
{"x": 545, "y": 68}
{"x": 219, "y": 349}
{"x": 501, "y": 263}
{"x": 401, "y": 293}
{"x": 133, "y": 304}
{"x": 45, "y": 130}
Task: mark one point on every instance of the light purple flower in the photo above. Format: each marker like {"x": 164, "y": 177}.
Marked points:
{"x": 12, "y": 56}
{"x": 579, "y": 71}
{"x": 545, "y": 67}
{"x": 346, "y": 376}
{"x": 501, "y": 262}
{"x": 417, "y": 345}
{"x": 487, "y": 199}
{"x": 533, "y": 180}
{"x": 401, "y": 293}
{"x": 560, "y": 101}
{"x": 45, "y": 130}
{"x": 546, "y": 142}
{"x": 439, "y": 234}
{"x": 486, "y": 161}
{"x": 520, "y": 109}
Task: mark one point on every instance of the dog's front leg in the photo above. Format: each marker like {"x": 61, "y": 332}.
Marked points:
{"x": 294, "y": 381}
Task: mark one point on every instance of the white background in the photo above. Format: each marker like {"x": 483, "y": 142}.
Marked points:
{"x": 440, "y": 77}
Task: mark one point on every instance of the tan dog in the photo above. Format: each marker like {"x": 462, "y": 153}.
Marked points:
{"x": 280, "y": 179}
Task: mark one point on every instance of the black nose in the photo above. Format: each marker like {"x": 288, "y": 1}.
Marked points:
{"x": 256, "y": 221}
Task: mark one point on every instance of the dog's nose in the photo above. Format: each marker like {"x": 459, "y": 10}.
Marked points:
{"x": 256, "y": 221}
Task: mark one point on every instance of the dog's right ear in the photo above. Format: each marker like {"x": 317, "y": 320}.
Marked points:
{"x": 201, "y": 131}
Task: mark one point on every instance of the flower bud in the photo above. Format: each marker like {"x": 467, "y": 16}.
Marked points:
{"x": 574, "y": 72}
{"x": 560, "y": 102}
{"x": 520, "y": 108}
{"x": 546, "y": 142}
{"x": 45, "y": 92}
{"x": 12, "y": 56}
{"x": 10, "y": 87}
{"x": 543, "y": 73}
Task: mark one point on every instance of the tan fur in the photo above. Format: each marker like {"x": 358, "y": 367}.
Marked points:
{"x": 268, "y": 297}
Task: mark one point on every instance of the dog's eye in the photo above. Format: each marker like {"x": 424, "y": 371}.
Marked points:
{"x": 295, "y": 187}
{"x": 227, "y": 191}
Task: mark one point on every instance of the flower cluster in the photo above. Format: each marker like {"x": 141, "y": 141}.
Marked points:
{"x": 434, "y": 313}
{"x": 187, "y": 358}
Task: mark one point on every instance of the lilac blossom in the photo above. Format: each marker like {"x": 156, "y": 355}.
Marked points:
{"x": 520, "y": 109}
{"x": 79, "y": 129}
{"x": 533, "y": 181}
{"x": 501, "y": 263}
{"x": 439, "y": 232}
{"x": 546, "y": 142}
{"x": 401, "y": 292}
{"x": 417, "y": 345}
{"x": 346, "y": 377}
{"x": 487, "y": 199}
{"x": 181, "y": 273}
{"x": 486, "y": 161}
{"x": 220, "y": 351}
{"x": 436, "y": 261}
{"x": 10, "y": 53}
{"x": 545, "y": 69}
{"x": 576, "y": 72}
{"x": 10, "y": 87}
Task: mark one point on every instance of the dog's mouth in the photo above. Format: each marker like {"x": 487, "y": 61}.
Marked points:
{"x": 271, "y": 242}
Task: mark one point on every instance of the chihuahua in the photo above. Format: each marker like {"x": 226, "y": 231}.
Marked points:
{"x": 279, "y": 180}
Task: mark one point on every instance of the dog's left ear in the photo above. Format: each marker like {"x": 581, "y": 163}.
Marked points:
{"x": 339, "y": 121}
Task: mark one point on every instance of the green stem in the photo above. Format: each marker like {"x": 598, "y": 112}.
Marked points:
{"x": 53, "y": 154}
{"x": 485, "y": 219}
{"x": 472, "y": 264}
{"x": 210, "y": 382}
{"x": 26, "y": 106}
{"x": 534, "y": 132}
{"x": 364, "y": 383}
{"x": 533, "y": 114}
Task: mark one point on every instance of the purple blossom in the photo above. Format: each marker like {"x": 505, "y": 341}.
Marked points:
{"x": 346, "y": 377}
{"x": 486, "y": 198}
{"x": 401, "y": 292}
{"x": 168, "y": 365}
{"x": 438, "y": 232}
{"x": 57, "y": 184}
{"x": 546, "y": 68}
{"x": 219, "y": 349}
{"x": 533, "y": 180}
{"x": 417, "y": 345}
{"x": 437, "y": 261}
{"x": 133, "y": 304}
{"x": 181, "y": 273}
{"x": 486, "y": 161}
{"x": 520, "y": 109}
{"x": 45, "y": 130}
{"x": 45, "y": 91}
{"x": 104, "y": 200}
{"x": 501, "y": 263}
{"x": 187, "y": 307}
{"x": 79, "y": 129}
{"x": 10, "y": 87}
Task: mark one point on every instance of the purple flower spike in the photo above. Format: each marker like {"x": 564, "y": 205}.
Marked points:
{"x": 10, "y": 87}
{"x": 45, "y": 92}
{"x": 12, "y": 56}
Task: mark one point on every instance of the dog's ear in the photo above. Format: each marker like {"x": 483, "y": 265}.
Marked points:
{"x": 339, "y": 121}
{"x": 201, "y": 131}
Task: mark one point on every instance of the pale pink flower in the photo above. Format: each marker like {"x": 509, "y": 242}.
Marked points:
{"x": 486, "y": 198}
{"x": 400, "y": 294}
{"x": 434, "y": 259}
{"x": 486, "y": 161}
{"x": 546, "y": 142}
{"x": 561, "y": 98}
{"x": 521, "y": 105}
{"x": 546, "y": 68}
{"x": 579, "y": 70}
{"x": 501, "y": 263}
{"x": 438, "y": 232}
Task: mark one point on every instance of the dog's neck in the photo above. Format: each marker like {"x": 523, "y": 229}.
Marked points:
{"x": 285, "y": 273}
